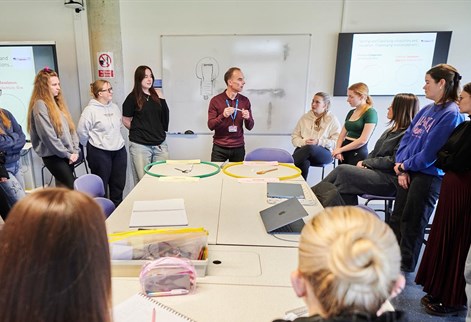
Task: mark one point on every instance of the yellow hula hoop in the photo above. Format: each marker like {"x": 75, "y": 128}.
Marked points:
{"x": 287, "y": 165}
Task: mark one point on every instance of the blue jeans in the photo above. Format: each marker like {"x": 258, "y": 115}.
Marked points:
{"x": 142, "y": 155}
{"x": 13, "y": 189}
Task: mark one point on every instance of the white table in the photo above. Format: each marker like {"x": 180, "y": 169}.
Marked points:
{"x": 240, "y": 222}
{"x": 202, "y": 199}
{"x": 251, "y": 284}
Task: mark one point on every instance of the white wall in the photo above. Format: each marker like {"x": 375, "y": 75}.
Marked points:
{"x": 143, "y": 21}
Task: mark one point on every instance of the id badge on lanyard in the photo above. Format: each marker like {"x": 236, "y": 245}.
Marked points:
{"x": 233, "y": 128}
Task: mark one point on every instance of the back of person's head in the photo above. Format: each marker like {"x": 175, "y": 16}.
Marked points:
{"x": 452, "y": 81}
{"x": 362, "y": 89}
{"x": 55, "y": 259}
{"x": 229, "y": 73}
{"x": 404, "y": 107}
{"x": 350, "y": 260}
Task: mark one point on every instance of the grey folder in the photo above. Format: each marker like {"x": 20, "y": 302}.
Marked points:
{"x": 284, "y": 217}
{"x": 285, "y": 190}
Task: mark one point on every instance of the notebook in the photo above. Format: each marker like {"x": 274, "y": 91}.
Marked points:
{"x": 168, "y": 212}
{"x": 139, "y": 308}
{"x": 285, "y": 190}
{"x": 284, "y": 217}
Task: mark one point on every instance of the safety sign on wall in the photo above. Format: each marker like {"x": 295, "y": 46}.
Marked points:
{"x": 105, "y": 64}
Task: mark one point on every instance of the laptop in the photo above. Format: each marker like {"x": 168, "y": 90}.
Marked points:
{"x": 284, "y": 217}
{"x": 285, "y": 190}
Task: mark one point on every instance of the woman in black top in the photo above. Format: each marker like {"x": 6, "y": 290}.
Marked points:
{"x": 146, "y": 116}
{"x": 442, "y": 266}
{"x": 348, "y": 266}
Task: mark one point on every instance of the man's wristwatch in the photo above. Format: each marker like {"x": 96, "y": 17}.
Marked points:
{"x": 401, "y": 169}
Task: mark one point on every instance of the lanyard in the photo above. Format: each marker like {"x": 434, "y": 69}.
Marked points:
{"x": 233, "y": 116}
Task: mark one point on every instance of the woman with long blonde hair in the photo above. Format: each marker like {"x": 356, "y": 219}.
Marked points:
{"x": 348, "y": 267}
{"x": 51, "y": 128}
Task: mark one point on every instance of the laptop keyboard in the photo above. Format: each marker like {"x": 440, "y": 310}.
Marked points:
{"x": 307, "y": 201}
{"x": 283, "y": 229}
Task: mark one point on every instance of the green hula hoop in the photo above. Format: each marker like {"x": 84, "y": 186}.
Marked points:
{"x": 147, "y": 167}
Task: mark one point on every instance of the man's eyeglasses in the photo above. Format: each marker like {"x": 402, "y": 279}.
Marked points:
{"x": 109, "y": 90}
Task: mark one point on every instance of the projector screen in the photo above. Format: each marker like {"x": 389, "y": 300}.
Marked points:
{"x": 19, "y": 64}
{"x": 389, "y": 63}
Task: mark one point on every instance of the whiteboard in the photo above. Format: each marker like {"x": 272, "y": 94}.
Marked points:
{"x": 276, "y": 69}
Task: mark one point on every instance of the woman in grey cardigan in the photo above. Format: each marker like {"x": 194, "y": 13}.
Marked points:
{"x": 375, "y": 174}
{"x": 52, "y": 130}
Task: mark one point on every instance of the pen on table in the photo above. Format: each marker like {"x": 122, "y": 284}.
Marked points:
{"x": 177, "y": 291}
{"x": 224, "y": 164}
{"x": 153, "y": 314}
{"x": 265, "y": 171}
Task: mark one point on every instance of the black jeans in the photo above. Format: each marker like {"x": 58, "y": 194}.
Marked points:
{"x": 110, "y": 166}
{"x": 221, "y": 154}
{"x": 412, "y": 211}
{"x": 353, "y": 156}
{"x": 62, "y": 171}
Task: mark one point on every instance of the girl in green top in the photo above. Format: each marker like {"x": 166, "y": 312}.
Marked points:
{"x": 359, "y": 125}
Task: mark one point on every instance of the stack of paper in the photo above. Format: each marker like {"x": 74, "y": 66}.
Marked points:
{"x": 169, "y": 212}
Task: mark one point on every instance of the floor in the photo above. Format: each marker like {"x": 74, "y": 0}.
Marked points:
{"x": 409, "y": 299}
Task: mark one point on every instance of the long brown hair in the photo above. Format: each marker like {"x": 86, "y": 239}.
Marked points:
{"x": 139, "y": 75}
{"x": 5, "y": 120}
{"x": 55, "y": 104}
{"x": 404, "y": 107}
{"x": 452, "y": 81}
{"x": 55, "y": 259}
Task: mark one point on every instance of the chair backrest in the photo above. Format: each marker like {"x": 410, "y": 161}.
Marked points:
{"x": 106, "y": 204}
{"x": 269, "y": 154}
{"x": 90, "y": 184}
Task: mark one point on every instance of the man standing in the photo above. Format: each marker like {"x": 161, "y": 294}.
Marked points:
{"x": 227, "y": 114}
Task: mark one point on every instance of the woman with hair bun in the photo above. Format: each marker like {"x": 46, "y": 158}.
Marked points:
{"x": 352, "y": 143}
{"x": 349, "y": 265}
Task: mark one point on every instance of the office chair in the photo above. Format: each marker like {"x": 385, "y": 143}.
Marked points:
{"x": 90, "y": 184}
{"x": 269, "y": 154}
{"x": 106, "y": 204}
{"x": 81, "y": 161}
{"x": 320, "y": 165}
{"x": 388, "y": 203}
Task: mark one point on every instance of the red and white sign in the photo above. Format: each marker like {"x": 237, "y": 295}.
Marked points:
{"x": 105, "y": 64}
